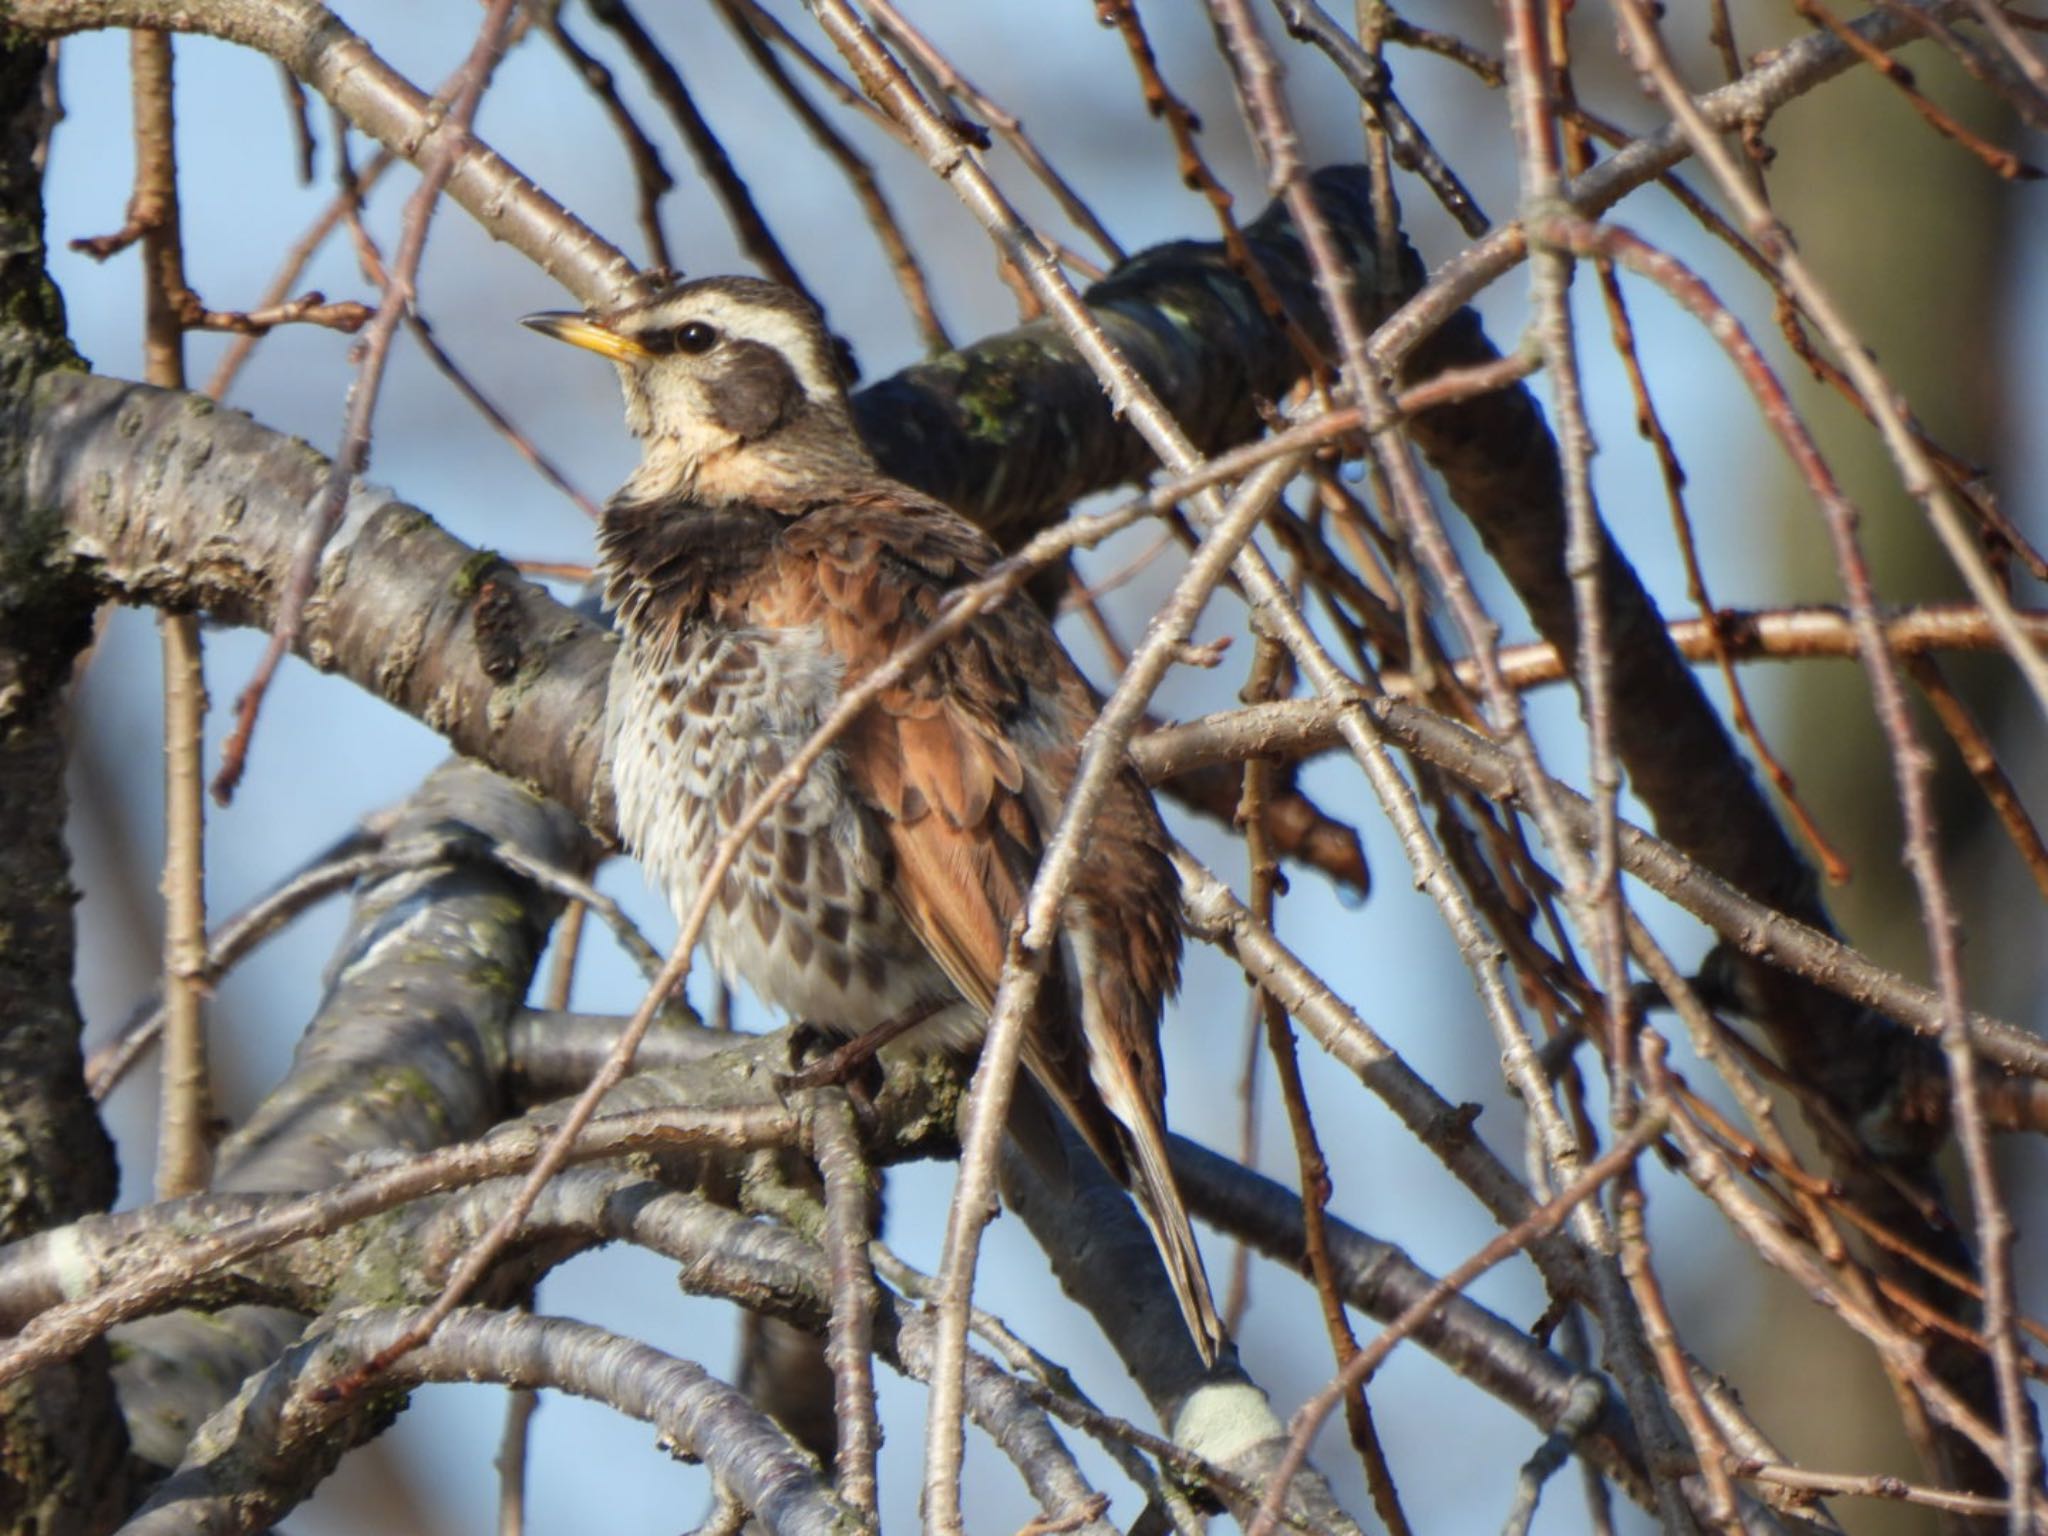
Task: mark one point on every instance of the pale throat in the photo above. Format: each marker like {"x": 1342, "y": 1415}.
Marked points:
{"x": 704, "y": 463}
{"x": 688, "y": 458}
{"x": 682, "y": 462}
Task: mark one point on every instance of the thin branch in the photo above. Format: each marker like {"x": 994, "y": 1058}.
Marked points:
{"x": 294, "y": 263}
{"x": 1755, "y": 927}
{"x": 756, "y": 239}
{"x": 440, "y": 157}
{"x": 1545, "y": 1219}
{"x": 337, "y": 64}
{"x": 651, "y": 179}
{"x": 185, "y": 1119}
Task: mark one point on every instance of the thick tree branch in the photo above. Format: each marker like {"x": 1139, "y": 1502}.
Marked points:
{"x": 404, "y": 1054}
{"x": 263, "y": 1452}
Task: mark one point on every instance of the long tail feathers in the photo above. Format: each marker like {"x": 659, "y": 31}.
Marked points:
{"x": 1122, "y": 1125}
{"x": 1159, "y": 1202}
{"x": 1123, "y": 1067}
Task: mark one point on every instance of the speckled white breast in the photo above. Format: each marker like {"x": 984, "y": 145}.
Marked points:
{"x": 802, "y": 917}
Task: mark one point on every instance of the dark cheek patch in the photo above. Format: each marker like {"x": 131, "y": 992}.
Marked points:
{"x": 754, "y": 390}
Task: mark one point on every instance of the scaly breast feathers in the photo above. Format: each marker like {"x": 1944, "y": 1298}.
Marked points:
{"x": 802, "y": 918}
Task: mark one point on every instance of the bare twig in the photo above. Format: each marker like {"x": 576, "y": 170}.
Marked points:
{"x": 651, "y": 179}
{"x": 439, "y": 156}
{"x": 185, "y": 1120}
{"x": 521, "y": 1403}
{"x": 666, "y": 82}
{"x": 1545, "y": 1219}
{"x": 294, "y": 263}
{"x": 754, "y": 27}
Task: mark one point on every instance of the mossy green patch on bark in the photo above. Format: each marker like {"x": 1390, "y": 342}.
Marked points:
{"x": 472, "y": 573}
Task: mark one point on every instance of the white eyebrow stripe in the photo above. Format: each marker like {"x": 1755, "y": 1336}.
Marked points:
{"x": 798, "y": 342}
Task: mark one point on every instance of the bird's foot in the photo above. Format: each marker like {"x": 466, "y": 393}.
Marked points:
{"x": 842, "y": 1066}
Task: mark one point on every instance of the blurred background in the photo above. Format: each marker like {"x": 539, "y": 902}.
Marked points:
{"x": 1926, "y": 248}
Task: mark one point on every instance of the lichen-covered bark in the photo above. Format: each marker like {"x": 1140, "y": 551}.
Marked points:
{"x": 406, "y": 1054}
{"x": 61, "y": 1442}
{"x": 407, "y": 1051}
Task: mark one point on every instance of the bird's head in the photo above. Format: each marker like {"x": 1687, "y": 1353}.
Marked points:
{"x": 733, "y": 385}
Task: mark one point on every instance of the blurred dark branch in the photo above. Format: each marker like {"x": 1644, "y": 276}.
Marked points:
{"x": 63, "y": 1470}
{"x": 1502, "y": 467}
{"x": 1014, "y": 428}
{"x": 174, "y": 1370}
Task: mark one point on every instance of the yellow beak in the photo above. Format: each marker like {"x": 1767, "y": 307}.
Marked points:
{"x": 582, "y": 331}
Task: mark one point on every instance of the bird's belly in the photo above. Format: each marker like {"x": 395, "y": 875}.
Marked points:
{"x": 802, "y": 917}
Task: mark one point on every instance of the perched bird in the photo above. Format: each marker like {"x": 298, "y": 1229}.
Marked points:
{"x": 760, "y": 562}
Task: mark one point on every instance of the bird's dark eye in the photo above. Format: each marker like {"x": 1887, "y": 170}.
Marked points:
{"x": 695, "y": 337}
